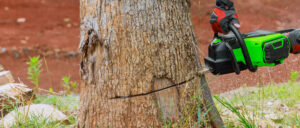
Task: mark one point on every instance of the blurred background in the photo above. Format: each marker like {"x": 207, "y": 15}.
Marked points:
{"x": 51, "y": 28}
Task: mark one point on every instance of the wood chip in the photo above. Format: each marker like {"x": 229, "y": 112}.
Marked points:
{"x": 14, "y": 93}
{"x": 1, "y": 68}
{"x": 6, "y": 77}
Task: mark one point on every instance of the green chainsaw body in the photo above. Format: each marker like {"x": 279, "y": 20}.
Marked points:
{"x": 264, "y": 49}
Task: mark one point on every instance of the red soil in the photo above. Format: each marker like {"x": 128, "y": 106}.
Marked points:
{"x": 53, "y": 24}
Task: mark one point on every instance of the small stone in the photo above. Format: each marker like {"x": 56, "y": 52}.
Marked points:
{"x": 21, "y": 20}
{"x": 71, "y": 54}
{"x": 273, "y": 102}
{"x": 3, "y": 50}
{"x": 17, "y": 54}
{"x": 67, "y": 19}
{"x": 23, "y": 42}
{"x": 269, "y": 103}
{"x": 69, "y": 25}
{"x": 284, "y": 107}
{"x": 26, "y": 51}
{"x": 6, "y": 8}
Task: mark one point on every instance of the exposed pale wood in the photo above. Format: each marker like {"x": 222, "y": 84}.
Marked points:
{"x": 14, "y": 93}
{"x": 1, "y": 68}
{"x": 6, "y": 77}
{"x": 135, "y": 46}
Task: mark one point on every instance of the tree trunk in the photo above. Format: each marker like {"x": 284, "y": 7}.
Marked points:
{"x": 135, "y": 46}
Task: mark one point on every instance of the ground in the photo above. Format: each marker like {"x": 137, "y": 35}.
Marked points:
{"x": 51, "y": 28}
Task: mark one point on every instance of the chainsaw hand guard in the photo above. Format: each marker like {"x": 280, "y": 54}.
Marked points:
{"x": 294, "y": 37}
{"x": 223, "y": 15}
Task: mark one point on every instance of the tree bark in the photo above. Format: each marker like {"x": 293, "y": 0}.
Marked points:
{"x": 136, "y": 46}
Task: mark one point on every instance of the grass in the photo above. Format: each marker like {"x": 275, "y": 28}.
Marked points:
{"x": 35, "y": 121}
{"x": 68, "y": 104}
{"x": 267, "y": 106}
{"x": 244, "y": 109}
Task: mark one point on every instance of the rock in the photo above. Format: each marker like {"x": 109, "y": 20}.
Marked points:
{"x": 70, "y": 54}
{"x": 69, "y": 25}
{"x": 27, "y": 51}
{"x": 43, "y": 111}
{"x": 67, "y": 19}
{"x": 17, "y": 54}
{"x": 273, "y": 103}
{"x": 23, "y": 41}
{"x": 274, "y": 117}
{"x": 284, "y": 108}
{"x": 14, "y": 93}
{"x": 3, "y": 50}
{"x": 21, "y": 20}
{"x": 6, "y": 77}
{"x": 6, "y": 8}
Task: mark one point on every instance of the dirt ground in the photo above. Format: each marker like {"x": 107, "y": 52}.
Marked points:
{"x": 51, "y": 28}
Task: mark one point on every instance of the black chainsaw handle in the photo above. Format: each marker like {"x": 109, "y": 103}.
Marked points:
{"x": 242, "y": 43}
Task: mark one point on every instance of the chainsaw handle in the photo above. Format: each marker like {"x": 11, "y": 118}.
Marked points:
{"x": 242, "y": 43}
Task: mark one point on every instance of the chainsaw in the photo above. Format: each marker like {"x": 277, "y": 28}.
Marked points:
{"x": 235, "y": 52}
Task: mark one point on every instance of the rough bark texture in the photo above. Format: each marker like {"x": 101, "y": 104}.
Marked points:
{"x": 135, "y": 46}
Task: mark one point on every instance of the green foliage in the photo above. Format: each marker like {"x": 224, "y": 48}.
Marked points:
{"x": 256, "y": 100}
{"x": 69, "y": 84}
{"x": 34, "y": 70}
{"x": 35, "y": 121}
{"x": 67, "y": 104}
{"x": 50, "y": 90}
{"x": 243, "y": 119}
{"x": 294, "y": 76}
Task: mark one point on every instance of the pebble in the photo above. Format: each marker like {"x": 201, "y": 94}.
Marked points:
{"x": 71, "y": 54}
{"x": 21, "y": 20}
{"x": 6, "y": 8}
{"x": 23, "y": 42}
{"x": 3, "y": 50}
{"x": 17, "y": 54}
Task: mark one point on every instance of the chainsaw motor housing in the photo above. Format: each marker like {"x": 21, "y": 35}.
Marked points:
{"x": 265, "y": 48}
